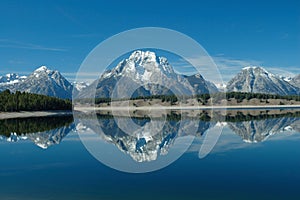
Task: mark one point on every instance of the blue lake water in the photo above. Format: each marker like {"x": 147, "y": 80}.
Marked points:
{"x": 252, "y": 159}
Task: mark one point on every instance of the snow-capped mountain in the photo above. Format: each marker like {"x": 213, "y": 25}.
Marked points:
{"x": 11, "y": 79}
{"x": 149, "y": 74}
{"x": 43, "y": 81}
{"x": 258, "y": 80}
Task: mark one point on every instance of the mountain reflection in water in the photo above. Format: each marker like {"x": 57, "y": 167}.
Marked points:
{"x": 253, "y": 126}
{"x": 43, "y": 131}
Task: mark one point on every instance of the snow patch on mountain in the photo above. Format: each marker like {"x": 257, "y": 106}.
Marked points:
{"x": 11, "y": 79}
{"x": 80, "y": 85}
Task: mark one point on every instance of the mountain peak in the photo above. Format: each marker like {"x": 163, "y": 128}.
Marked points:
{"x": 141, "y": 65}
{"x": 140, "y": 56}
{"x": 258, "y": 71}
{"x": 250, "y": 67}
{"x": 42, "y": 69}
{"x": 255, "y": 68}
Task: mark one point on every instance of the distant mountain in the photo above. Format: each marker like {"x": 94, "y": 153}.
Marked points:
{"x": 80, "y": 85}
{"x": 150, "y": 75}
{"x": 258, "y": 80}
{"x": 221, "y": 87}
{"x": 42, "y": 81}
{"x": 11, "y": 79}
{"x": 296, "y": 81}
{"x": 200, "y": 85}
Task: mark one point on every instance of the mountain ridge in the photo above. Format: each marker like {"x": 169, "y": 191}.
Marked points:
{"x": 42, "y": 81}
{"x": 153, "y": 75}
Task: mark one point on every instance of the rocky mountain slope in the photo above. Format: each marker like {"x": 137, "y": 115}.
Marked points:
{"x": 258, "y": 80}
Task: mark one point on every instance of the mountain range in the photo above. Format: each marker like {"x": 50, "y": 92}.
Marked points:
{"x": 153, "y": 75}
{"x": 148, "y": 74}
{"x": 41, "y": 81}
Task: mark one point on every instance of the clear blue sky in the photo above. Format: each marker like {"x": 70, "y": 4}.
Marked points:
{"x": 61, "y": 33}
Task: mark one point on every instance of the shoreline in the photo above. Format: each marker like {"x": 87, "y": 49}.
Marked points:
{"x": 245, "y": 107}
{"x": 27, "y": 114}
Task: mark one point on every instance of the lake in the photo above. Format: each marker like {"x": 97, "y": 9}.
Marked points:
{"x": 249, "y": 154}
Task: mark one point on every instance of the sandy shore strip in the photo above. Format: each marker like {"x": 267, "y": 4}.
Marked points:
{"x": 26, "y": 114}
{"x": 187, "y": 107}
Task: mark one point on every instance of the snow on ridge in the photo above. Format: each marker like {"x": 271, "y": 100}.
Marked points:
{"x": 80, "y": 85}
{"x": 143, "y": 55}
{"x": 41, "y": 68}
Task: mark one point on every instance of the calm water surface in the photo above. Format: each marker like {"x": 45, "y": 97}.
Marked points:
{"x": 256, "y": 157}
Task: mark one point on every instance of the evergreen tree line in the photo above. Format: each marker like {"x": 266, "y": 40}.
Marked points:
{"x": 246, "y": 95}
{"x": 23, "y": 101}
{"x": 240, "y": 96}
{"x": 202, "y": 98}
{"x": 163, "y": 98}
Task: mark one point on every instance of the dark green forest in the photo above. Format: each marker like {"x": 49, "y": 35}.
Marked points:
{"x": 240, "y": 96}
{"x": 164, "y": 98}
{"x": 22, "y": 101}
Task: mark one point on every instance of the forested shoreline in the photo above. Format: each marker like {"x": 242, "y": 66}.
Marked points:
{"x": 203, "y": 98}
{"x": 23, "y": 101}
